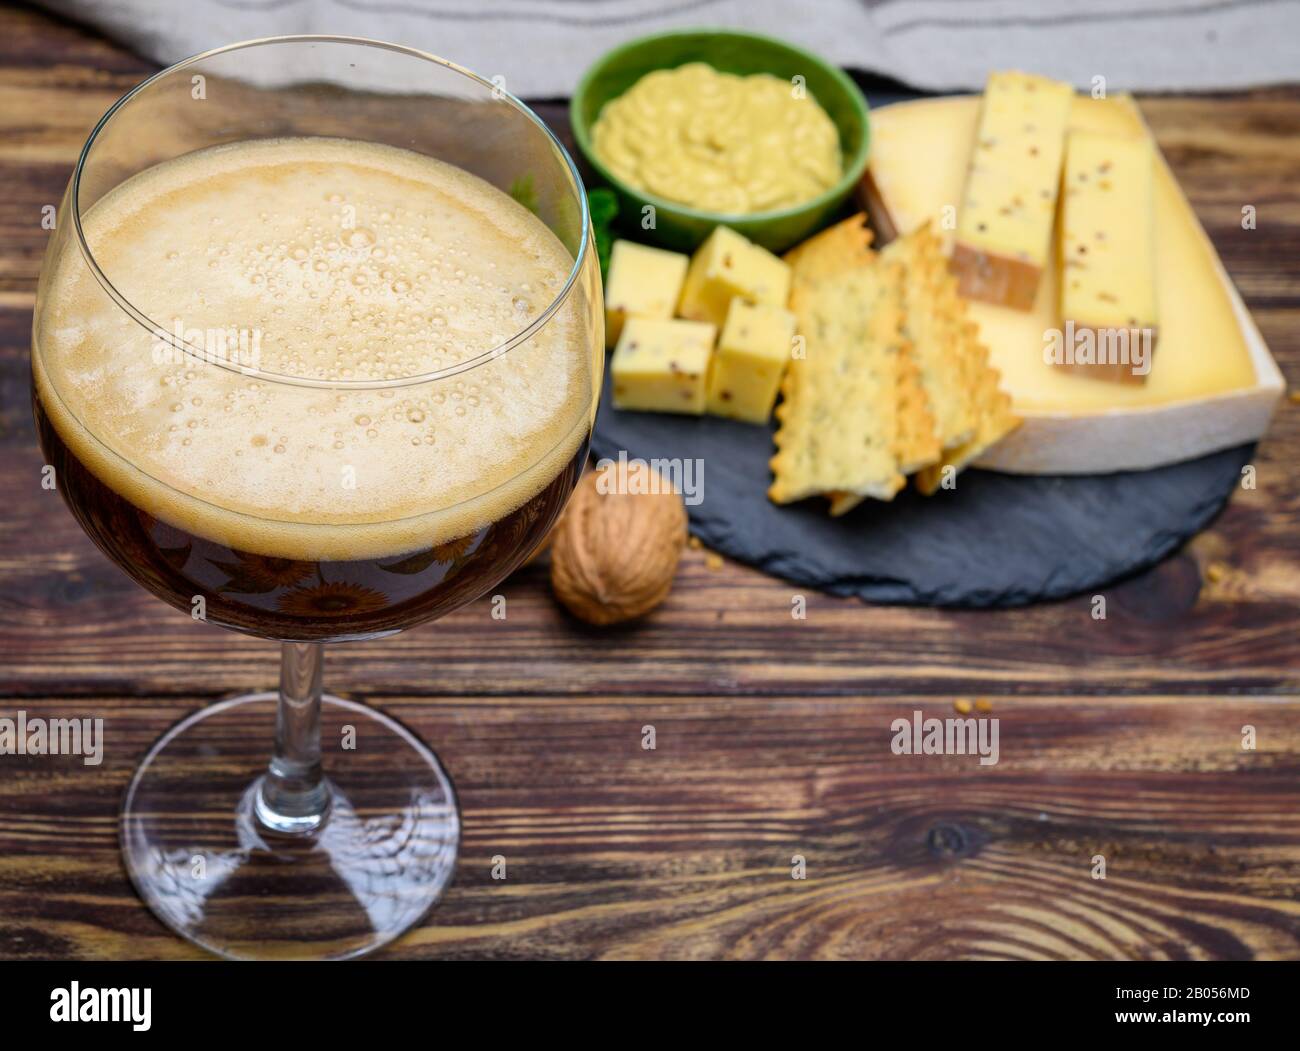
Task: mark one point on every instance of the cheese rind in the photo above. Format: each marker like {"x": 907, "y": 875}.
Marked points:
{"x": 751, "y": 358}
{"x": 1107, "y": 257}
{"x": 1004, "y": 225}
{"x": 643, "y": 282}
{"x": 727, "y": 265}
{"x": 662, "y": 366}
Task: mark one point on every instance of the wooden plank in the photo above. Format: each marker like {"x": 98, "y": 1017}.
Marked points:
{"x": 686, "y": 850}
{"x": 72, "y": 621}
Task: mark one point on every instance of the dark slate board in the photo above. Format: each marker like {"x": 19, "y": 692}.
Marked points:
{"x": 996, "y": 540}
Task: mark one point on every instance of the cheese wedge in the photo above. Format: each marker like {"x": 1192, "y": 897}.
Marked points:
{"x": 1004, "y": 225}
{"x": 1107, "y": 257}
{"x": 1214, "y": 385}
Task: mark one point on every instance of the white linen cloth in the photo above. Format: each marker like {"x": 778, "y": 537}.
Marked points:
{"x": 541, "y": 47}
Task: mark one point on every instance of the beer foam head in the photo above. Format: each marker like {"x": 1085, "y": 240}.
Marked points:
{"x": 326, "y": 261}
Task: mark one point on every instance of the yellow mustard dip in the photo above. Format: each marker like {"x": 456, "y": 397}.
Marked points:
{"x": 719, "y": 142}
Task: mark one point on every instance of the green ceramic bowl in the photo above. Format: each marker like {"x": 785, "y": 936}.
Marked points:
{"x": 676, "y": 225}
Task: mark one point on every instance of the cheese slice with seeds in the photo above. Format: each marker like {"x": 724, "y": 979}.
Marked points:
{"x": 1107, "y": 254}
{"x": 1008, "y": 207}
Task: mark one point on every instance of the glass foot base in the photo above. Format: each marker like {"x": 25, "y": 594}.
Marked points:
{"x": 201, "y": 860}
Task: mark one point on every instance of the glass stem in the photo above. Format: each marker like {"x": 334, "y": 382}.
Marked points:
{"x": 293, "y": 798}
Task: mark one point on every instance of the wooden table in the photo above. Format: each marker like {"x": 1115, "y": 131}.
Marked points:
{"x": 1119, "y": 738}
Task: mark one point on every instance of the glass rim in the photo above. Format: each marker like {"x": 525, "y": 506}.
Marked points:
{"x": 198, "y": 354}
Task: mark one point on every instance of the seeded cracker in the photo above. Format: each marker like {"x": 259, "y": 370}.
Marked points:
{"x": 851, "y": 407}
{"x": 933, "y": 316}
{"x": 994, "y": 418}
{"x": 916, "y": 442}
{"x": 970, "y": 411}
{"x": 831, "y": 252}
{"x": 918, "y": 437}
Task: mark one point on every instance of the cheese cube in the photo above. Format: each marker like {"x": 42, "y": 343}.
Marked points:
{"x": 727, "y": 265}
{"x": 1004, "y": 229}
{"x": 1108, "y": 247}
{"x": 643, "y": 282}
{"x": 752, "y": 354}
{"x": 662, "y": 366}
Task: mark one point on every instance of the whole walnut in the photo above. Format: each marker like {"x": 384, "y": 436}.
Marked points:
{"x": 616, "y": 548}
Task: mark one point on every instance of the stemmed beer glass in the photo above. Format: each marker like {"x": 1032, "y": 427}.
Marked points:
{"x": 316, "y": 354}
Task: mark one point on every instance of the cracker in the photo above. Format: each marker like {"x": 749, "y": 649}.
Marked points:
{"x": 839, "y": 420}
{"x": 969, "y": 410}
{"x": 916, "y": 441}
{"x": 934, "y": 315}
{"x": 837, "y": 248}
{"x": 916, "y": 435}
{"x": 992, "y": 407}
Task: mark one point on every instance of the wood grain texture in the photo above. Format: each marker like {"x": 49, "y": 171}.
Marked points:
{"x": 686, "y": 851}
{"x": 1119, "y": 737}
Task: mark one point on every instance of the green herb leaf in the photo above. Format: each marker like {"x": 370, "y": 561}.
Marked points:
{"x": 603, "y": 206}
